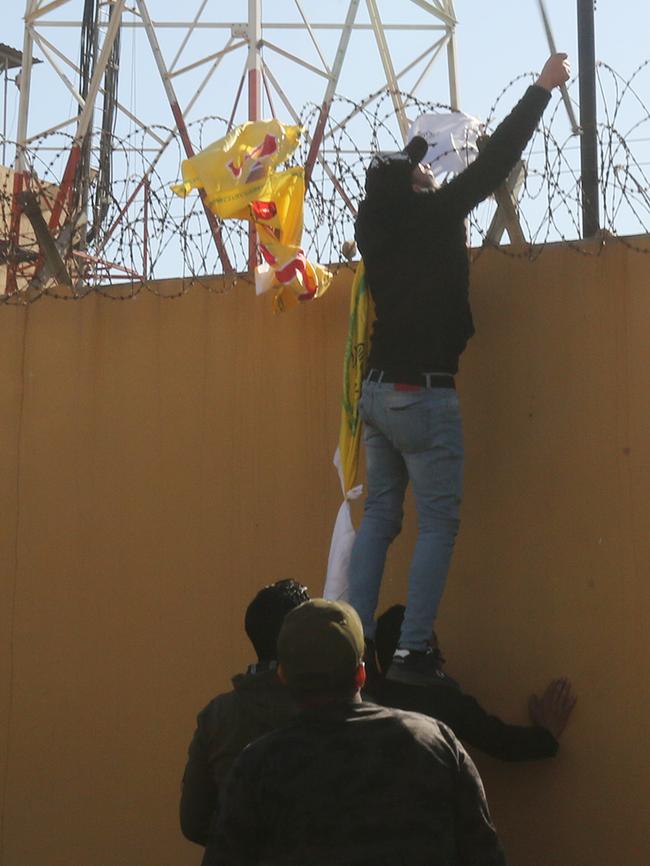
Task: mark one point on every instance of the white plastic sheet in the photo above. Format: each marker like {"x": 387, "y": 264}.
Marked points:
{"x": 338, "y": 562}
{"x": 451, "y": 138}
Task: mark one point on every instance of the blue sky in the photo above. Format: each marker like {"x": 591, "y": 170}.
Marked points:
{"x": 507, "y": 36}
{"x": 496, "y": 40}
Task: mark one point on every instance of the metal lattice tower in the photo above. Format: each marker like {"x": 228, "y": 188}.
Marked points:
{"x": 139, "y": 70}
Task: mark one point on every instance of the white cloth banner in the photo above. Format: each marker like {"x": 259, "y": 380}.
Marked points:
{"x": 338, "y": 562}
{"x": 451, "y": 139}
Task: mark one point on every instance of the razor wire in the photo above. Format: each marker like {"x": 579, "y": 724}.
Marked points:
{"x": 151, "y": 239}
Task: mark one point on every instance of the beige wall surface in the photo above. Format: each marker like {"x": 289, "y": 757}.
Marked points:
{"x": 161, "y": 460}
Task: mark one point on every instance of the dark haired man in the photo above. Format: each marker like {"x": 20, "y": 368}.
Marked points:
{"x": 443, "y": 699}
{"x": 257, "y": 704}
{"x": 412, "y": 237}
{"x": 346, "y": 782}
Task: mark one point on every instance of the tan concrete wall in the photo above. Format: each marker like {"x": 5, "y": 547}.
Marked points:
{"x": 160, "y": 460}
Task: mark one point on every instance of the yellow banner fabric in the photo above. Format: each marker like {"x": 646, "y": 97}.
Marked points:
{"x": 238, "y": 174}
{"x": 356, "y": 353}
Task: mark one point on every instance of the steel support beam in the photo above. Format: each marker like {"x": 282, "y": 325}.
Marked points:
{"x": 25, "y": 87}
{"x": 54, "y": 263}
{"x": 454, "y": 99}
{"x": 254, "y": 73}
{"x": 506, "y": 218}
{"x": 589, "y": 140}
{"x": 328, "y": 171}
{"x": 506, "y": 214}
{"x": 20, "y": 165}
{"x": 253, "y": 65}
{"x": 330, "y": 90}
{"x": 182, "y": 128}
{"x": 389, "y": 71}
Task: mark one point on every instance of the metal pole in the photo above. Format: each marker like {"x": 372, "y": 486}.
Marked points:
{"x": 454, "y": 99}
{"x": 25, "y": 85}
{"x": 20, "y": 165}
{"x": 389, "y": 71}
{"x": 546, "y": 21}
{"x": 254, "y": 65}
{"x": 4, "y": 114}
{"x": 589, "y": 139}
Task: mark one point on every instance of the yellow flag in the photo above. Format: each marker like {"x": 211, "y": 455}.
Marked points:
{"x": 235, "y": 168}
{"x": 239, "y": 178}
{"x": 356, "y": 353}
{"x": 278, "y": 215}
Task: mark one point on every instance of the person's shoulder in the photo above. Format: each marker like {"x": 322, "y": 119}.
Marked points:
{"x": 273, "y": 743}
{"x": 221, "y": 703}
{"x": 217, "y": 703}
{"x": 411, "y": 718}
{"x": 423, "y": 726}
{"x": 419, "y": 734}
{"x": 210, "y": 717}
{"x": 368, "y": 212}
{"x": 250, "y": 680}
{"x": 408, "y": 718}
{"x": 379, "y": 205}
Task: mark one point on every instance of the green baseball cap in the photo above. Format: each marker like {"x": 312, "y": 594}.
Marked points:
{"x": 320, "y": 645}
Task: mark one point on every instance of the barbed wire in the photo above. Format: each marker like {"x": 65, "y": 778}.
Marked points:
{"x": 151, "y": 239}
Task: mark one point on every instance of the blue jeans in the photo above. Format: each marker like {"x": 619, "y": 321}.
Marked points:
{"x": 411, "y": 436}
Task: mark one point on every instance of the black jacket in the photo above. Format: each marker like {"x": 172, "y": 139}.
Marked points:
{"x": 414, "y": 247}
{"x": 355, "y": 785}
{"x": 465, "y": 716}
{"x": 258, "y": 703}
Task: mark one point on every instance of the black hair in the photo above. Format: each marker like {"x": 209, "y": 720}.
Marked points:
{"x": 266, "y": 612}
{"x": 389, "y": 174}
{"x": 389, "y": 625}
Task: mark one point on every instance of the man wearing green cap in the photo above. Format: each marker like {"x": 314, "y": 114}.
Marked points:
{"x": 348, "y": 783}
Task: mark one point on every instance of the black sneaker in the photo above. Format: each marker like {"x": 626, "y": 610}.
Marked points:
{"x": 418, "y": 668}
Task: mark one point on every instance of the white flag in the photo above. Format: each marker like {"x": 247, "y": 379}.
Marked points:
{"x": 451, "y": 138}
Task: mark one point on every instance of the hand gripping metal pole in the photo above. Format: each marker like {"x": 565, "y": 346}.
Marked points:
{"x": 575, "y": 126}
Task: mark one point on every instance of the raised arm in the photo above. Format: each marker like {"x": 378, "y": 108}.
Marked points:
{"x": 499, "y": 156}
